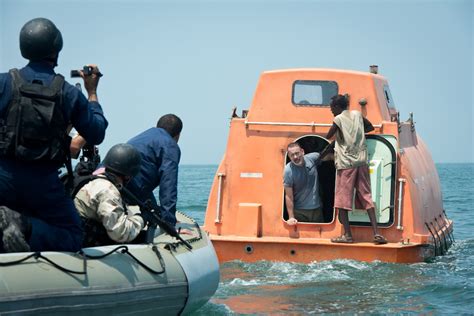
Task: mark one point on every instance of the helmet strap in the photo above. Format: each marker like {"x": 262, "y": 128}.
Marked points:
{"x": 52, "y": 59}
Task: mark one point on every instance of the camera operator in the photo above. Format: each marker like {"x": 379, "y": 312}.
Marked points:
{"x": 42, "y": 217}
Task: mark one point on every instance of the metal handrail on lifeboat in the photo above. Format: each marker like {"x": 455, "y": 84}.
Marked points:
{"x": 220, "y": 175}
{"x": 312, "y": 124}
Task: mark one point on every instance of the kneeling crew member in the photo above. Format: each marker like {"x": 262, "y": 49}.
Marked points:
{"x": 106, "y": 217}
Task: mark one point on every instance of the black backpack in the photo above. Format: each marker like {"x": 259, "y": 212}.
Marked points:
{"x": 34, "y": 128}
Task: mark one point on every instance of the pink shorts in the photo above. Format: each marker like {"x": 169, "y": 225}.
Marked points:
{"x": 350, "y": 180}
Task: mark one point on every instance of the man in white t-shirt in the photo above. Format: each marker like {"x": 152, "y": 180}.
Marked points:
{"x": 352, "y": 170}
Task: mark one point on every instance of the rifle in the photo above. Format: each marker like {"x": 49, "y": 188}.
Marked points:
{"x": 152, "y": 218}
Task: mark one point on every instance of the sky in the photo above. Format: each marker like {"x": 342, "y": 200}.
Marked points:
{"x": 198, "y": 59}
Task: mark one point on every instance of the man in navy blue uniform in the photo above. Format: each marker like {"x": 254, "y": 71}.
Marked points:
{"x": 36, "y": 214}
{"x": 158, "y": 147}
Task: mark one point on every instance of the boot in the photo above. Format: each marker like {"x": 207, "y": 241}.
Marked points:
{"x": 15, "y": 230}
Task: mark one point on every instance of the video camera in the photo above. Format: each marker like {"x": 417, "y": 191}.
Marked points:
{"x": 90, "y": 153}
{"x": 89, "y": 160}
{"x": 87, "y": 70}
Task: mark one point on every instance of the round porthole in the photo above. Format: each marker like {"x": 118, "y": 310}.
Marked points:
{"x": 292, "y": 252}
{"x": 248, "y": 249}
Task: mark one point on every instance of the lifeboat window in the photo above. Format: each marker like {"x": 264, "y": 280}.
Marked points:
{"x": 388, "y": 97}
{"x": 313, "y": 93}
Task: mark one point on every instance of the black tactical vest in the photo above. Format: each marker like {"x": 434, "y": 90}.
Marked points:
{"x": 34, "y": 128}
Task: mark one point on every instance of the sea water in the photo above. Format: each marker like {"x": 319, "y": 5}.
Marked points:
{"x": 443, "y": 286}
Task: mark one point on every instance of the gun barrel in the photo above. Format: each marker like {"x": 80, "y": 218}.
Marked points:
{"x": 152, "y": 217}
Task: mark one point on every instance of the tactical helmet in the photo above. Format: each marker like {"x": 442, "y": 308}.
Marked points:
{"x": 123, "y": 159}
{"x": 40, "y": 39}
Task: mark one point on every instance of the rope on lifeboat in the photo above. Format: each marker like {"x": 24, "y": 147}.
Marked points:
{"x": 450, "y": 234}
{"x": 122, "y": 249}
{"x": 434, "y": 239}
{"x": 446, "y": 246}
{"x": 439, "y": 238}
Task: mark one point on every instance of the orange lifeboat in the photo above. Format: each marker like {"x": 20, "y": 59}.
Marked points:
{"x": 246, "y": 213}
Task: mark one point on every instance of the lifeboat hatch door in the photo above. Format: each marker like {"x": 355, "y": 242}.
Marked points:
{"x": 382, "y": 157}
{"x": 326, "y": 176}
